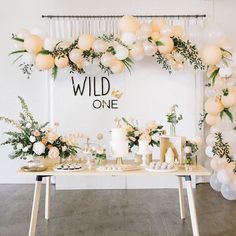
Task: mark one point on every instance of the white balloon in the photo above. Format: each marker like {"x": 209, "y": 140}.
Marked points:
{"x": 23, "y": 33}
{"x": 214, "y": 129}
{"x": 28, "y": 58}
{"x": 17, "y": 46}
{"x": 141, "y": 36}
{"x": 214, "y": 182}
{"x": 146, "y": 29}
{"x": 49, "y": 44}
{"x": 149, "y": 48}
{"x": 207, "y": 164}
{"x": 39, "y": 32}
{"x": 121, "y": 52}
{"x": 227, "y": 192}
{"x": 210, "y": 92}
{"x": 213, "y": 34}
{"x": 223, "y": 177}
{"x": 225, "y": 72}
{"x": 224, "y": 123}
{"x": 209, "y": 152}
{"x": 194, "y": 33}
{"x": 210, "y": 140}
{"x": 128, "y": 38}
{"x": 229, "y": 136}
{"x": 92, "y": 67}
{"x": 166, "y": 30}
{"x": 218, "y": 164}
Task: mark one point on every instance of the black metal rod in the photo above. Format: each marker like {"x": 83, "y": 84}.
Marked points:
{"x": 116, "y": 16}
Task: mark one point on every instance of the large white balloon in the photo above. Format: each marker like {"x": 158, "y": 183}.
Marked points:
{"x": 194, "y": 33}
{"x": 121, "y": 52}
{"x": 227, "y": 192}
{"x": 225, "y": 72}
{"x": 214, "y": 182}
{"x": 213, "y": 34}
{"x": 218, "y": 164}
{"x": 224, "y": 123}
{"x": 223, "y": 177}
{"x": 149, "y": 48}
{"x": 214, "y": 129}
{"x": 128, "y": 38}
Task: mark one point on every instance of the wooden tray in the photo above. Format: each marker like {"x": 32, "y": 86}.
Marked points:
{"x": 34, "y": 169}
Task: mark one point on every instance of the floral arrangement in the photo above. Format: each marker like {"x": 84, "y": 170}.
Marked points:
{"x": 191, "y": 149}
{"x": 151, "y": 133}
{"x": 30, "y": 139}
{"x": 108, "y": 53}
{"x": 173, "y": 118}
{"x": 99, "y": 152}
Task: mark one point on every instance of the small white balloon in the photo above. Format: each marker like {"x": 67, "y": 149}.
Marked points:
{"x": 210, "y": 92}
{"x": 166, "y": 30}
{"x": 225, "y": 72}
{"x": 49, "y": 44}
{"x": 39, "y": 32}
{"x": 128, "y": 38}
{"x": 92, "y": 67}
{"x": 209, "y": 152}
{"x": 149, "y": 48}
{"x": 214, "y": 129}
{"x": 210, "y": 140}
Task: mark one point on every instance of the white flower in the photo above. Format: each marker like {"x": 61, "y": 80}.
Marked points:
{"x": 28, "y": 125}
{"x": 19, "y": 146}
{"x": 136, "y": 133}
{"x": 25, "y": 149}
{"x": 38, "y": 148}
{"x": 64, "y": 148}
{"x": 32, "y": 139}
{"x": 187, "y": 150}
{"x": 53, "y": 153}
{"x": 155, "y": 137}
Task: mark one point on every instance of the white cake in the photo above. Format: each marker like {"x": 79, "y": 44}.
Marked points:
{"x": 119, "y": 143}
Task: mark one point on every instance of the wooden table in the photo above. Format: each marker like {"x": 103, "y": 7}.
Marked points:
{"x": 180, "y": 174}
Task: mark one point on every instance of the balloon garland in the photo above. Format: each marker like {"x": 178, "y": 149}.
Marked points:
{"x": 168, "y": 45}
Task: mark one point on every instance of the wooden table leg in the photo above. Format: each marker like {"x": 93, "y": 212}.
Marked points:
{"x": 181, "y": 198}
{"x": 35, "y": 207}
{"x": 47, "y": 198}
{"x": 192, "y": 207}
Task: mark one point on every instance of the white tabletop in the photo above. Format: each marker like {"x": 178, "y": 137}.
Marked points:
{"x": 197, "y": 171}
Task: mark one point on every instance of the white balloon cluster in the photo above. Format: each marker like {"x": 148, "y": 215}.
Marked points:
{"x": 220, "y": 107}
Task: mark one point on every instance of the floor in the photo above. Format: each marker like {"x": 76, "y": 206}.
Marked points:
{"x": 115, "y": 213}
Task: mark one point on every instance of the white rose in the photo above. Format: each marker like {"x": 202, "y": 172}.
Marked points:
{"x": 28, "y": 125}
{"x": 19, "y": 146}
{"x": 187, "y": 150}
{"x": 136, "y": 133}
{"x": 64, "y": 148}
{"x": 32, "y": 139}
{"x": 38, "y": 148}
{"x": 152, "y": 125}
{"x": 25, "y": 149}
{"x": 53, "y": 153}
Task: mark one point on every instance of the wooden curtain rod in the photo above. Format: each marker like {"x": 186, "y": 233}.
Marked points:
{"x": 117, "y": 16}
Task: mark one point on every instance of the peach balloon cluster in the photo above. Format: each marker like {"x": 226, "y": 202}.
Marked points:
{"x": 107, "y": 53}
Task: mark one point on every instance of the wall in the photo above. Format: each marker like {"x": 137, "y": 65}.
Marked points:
{"x": 17, "y": 14}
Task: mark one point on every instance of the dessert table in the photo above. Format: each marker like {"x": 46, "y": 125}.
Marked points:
{"x": 180, "y": 174}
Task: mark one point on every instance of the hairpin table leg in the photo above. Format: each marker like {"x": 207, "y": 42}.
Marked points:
{"x": 181, "y": 198}
{"x": 192, "y": 207}
{"x": 35, "y": 207}
{"x": 47, "y": 198}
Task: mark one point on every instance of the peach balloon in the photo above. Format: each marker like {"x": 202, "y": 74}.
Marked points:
{"x": 33, "y": 44}
{"x": 213, "y": 106}
{"x": 155, "y": 36}
{"x": 211, "y": 54}
{"x": 86, "y": 41}
{"x": 76, "y": 55}
{"x": 149, "y": 48}
{"x": 107, "y": 59}
{"x": 117, "y": 67}
{"x": 44, "y": 61}
{"x": 229, "y": 100}
{"x": 129, "y": 24}
{"x": 211, "y": 120}
{"x": 61, "y": 62}
{"x": 137, "y": 51}
{"x": 167, "y": 46}
{"x": 157, "y": 24}
{"x": 177, "y": 31}
{"x": 166, "y": 30}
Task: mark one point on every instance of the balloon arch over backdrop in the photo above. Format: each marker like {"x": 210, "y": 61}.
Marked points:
{"x": 170, "y": 47}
